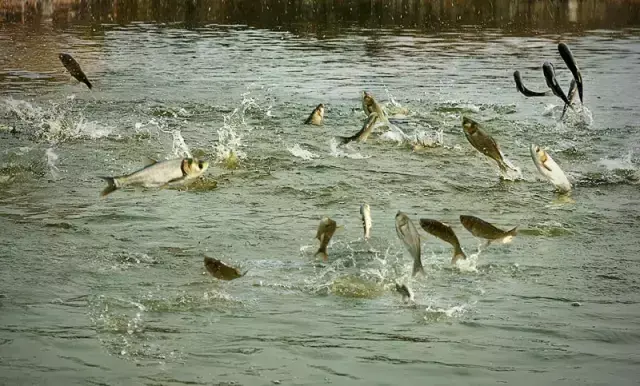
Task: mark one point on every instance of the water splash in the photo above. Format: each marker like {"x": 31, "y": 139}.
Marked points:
{"x": 299, "y": 152}
{"x": 52, "y": 158}
{"x": 179, "y": 147}
{"x": 227, "y": 148}
{"x": 337, "y": 151}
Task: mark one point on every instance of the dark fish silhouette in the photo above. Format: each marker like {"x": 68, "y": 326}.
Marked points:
{"x": 570, "y": 61}
{"x": 550, "y": 77}
{"x": 525, "y": 91}
{"x": 220, "y": 270}
{"x": 74, "y": 68}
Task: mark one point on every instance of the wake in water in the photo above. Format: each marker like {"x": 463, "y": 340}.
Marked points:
{"x": 299, "y": 152}
{"x": 338, "y": 151}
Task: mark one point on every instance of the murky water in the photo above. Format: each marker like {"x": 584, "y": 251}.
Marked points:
{"x": 113, "y": 291}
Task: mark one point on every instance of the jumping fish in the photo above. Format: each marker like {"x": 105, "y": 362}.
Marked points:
{"x": 570, "y": 61}
{"x": 525, "y": 91}
{"x": 326, "y": 230}
{"x": 550, "y": 77}
{"x": 571, "y": 95}
{"x": 550, "y": 169}
{"x": 157, "y": 174}
{"x": 317, "y": 116}
{"x": 220, "y": 270}
{"x": 370, "y": 105}
{"x": 483, "y": 142}
{"x": 445, "y": 233}
{"x": 365, "y": 131}
{"x": 74, "y": 68}
{"x": 365, "y": 214}
{"x": 482, "y": 229}
{"x": 408, "y": 233}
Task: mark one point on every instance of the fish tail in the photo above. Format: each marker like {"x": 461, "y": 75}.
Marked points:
{"x": 417, "y": 267}
{"x": 323, "y": 252}
{"x": 112, "y": 186}
{"x": 86, "y": 81}
{"x": 458, "y": 254}
{"x": 513, "y": 232}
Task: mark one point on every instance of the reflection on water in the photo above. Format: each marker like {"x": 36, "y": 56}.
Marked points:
{"x": 307, "y": 15}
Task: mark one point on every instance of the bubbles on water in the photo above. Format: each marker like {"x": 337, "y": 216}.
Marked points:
{"x": 299, "y": 152}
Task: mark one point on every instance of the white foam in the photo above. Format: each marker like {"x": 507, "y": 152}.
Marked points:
{"x": 52, "y": 158}
{"x": 299, "y": 152}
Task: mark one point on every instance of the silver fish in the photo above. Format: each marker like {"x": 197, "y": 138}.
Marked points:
{"x": 485, "y": 230}
{"x": 445, "y": 233}
{"x": 365, "y": 214}
{"x": 408, "y": 233}
{"x": 483, "y": 142}
{"x": 550, "y": 169}
{"x": 317, "y": 116}
{"x": 158, "y": 174}
{"x": 369, "y": 105}
{"x": 363, "y": 134}
{"x": 326, "y": 229}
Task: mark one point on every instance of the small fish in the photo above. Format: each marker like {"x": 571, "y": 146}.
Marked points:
{"x": 408, "y": 233}
{"x": 525, "y": 91}
{"x": 482, "y": 229}
{"x": 317, "y": 116}
{"x": 405, "y": 291}
{"x": 365, "y": 213}
{"x": 550, "y": 77}
{"x": 445, "y": 233}
{"x": 570, "y": 61}
{"x": 369, "y": 105}
{"x": 220, "y": 270}
{"x": 74, "y": 68}
{"x": 325, "y": 231}
{"x": 158, "y": 174}
{"x": 483, "y": 142}
{"x": 363, "y": 134}
{"x": 550, "y": 169}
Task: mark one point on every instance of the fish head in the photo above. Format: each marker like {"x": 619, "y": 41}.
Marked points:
{"x": 364, "y": 208}
{"x": 469, "y": 126}
{"x": 194, "y": 167}
{"x": 64, "y": 58}
{"x": 320, "y": 109}
{"x": 538, "y": 154}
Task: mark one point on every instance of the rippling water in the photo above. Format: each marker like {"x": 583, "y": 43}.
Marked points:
{"x": 113, "y": 291}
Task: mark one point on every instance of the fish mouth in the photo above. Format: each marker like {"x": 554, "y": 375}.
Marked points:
{"x": 469, "y": 125}
{"x": 570, "y": 61}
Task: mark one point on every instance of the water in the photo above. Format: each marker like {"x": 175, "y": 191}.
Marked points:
{"x": 113, "y": 291}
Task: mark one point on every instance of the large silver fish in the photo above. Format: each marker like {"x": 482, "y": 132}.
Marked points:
{"x": 445, "y": 233}
{"x": 485, "y": 230}
{"x": 365, "y": 214}
{"x": 326, "y": 229}
{"x": 483, "y": 142}
{"x": 158, "y": 174}
{"x": 550, "y": 169}
{"x": 365, "y": 131}
{"x": 317, "y": 116}
{"x": 74, "y": 68}
{"x": 408, "y": 233}
{"x": 570, "y": 61}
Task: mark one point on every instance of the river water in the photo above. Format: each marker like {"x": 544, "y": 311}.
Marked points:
{"x": 113, "y": 291}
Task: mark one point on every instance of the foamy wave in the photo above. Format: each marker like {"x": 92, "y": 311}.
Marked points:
{"x": 337, "y": 151}
{"x": 52, "y": 158}
{"x": 299, "y": 152}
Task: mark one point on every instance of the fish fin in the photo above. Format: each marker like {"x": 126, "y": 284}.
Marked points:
{"x": 546, "y": 167}
{"x": 148, "y": 161}
{"x": 245, "y": 272}
{"x": 112, "y": 186}
{"x": 513, "y": 232}
{"x": 86, "y": 81}
{"x": 418, "y": 268}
